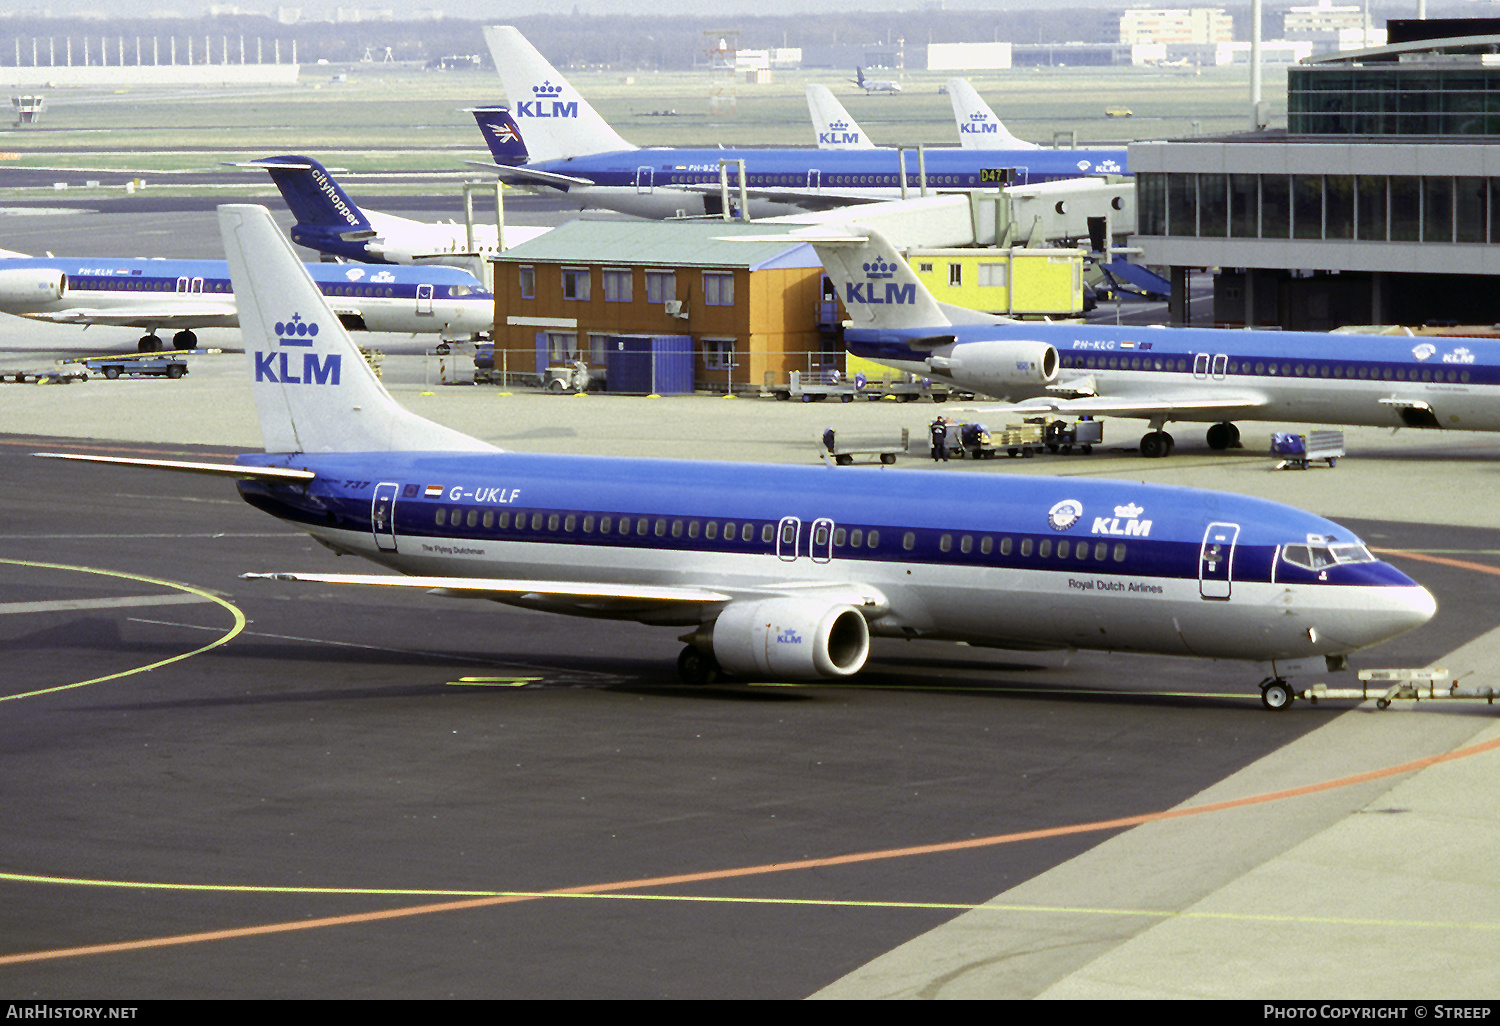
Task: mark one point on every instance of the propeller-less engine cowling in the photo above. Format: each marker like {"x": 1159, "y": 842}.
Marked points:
{"x": 791, "y": 638}
{"x": 997, "y": 367}
{"x": 21, "y": 287}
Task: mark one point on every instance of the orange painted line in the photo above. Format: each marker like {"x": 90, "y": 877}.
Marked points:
{"x": 761, "y": 870}
{"x": 1422, "y": 557}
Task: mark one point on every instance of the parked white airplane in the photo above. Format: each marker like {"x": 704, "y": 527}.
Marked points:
{"x": 777, "y": 571}
{"x": 978, "y": 127}
{"x": 155, "y": 295}
{"x": 832, "y": 125}
{"x": 329, "y": 221}
{"x": 1154, "y": 373}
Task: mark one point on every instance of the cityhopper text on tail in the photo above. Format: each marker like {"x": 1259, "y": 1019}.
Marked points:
{"x": 1156, "y": 374}
{"x": 777, "y": 572}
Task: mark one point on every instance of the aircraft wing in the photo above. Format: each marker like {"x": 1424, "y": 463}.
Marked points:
{"x": 517, "y": 174}
{"x": 185, "y": 314}
{"x": 1142, "y": 406}
{"x": 820, "y": 199}
{"x": 600, "y": 599}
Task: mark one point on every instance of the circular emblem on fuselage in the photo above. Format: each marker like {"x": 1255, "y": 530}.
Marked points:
{"x": 1065, "y": 514}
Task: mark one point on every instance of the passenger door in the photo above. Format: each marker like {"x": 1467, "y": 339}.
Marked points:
{"x": 424, "y": 299}
{"x": 1216, "y": 561}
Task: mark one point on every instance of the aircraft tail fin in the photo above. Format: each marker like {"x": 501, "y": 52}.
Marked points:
{"x": 312, "y": 194}
{"x": 833, "y": 128}
{"x": 978, "y": 127}
{"x": 313, "y": 390}
{"x": 878, "y": 287}
{"x": 557, "y": 122}
{"x": 501, "y": 134}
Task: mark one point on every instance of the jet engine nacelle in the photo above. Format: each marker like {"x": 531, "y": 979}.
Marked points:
{"x": 996, "y": 367}
{"x": 794, "y": 638}
{"x": 23, "y": 288}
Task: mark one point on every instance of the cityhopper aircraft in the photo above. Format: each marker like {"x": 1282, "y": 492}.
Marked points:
{"x": 1157, "y": 374}
{"x": 329, "y": 221}
{"x": 551, "y": 137}
{"x": 185, "y": 294}
{"x": 978, "y": 127}
{"x": 777, "y": 572}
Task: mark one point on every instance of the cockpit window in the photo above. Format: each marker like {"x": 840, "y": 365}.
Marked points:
{"x": 1320, "y": 557}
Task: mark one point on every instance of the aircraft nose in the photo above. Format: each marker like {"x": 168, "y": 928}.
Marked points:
{"x": 1396, "y": 611}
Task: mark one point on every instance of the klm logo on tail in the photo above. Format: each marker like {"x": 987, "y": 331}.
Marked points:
{"x": 838, "y": 133}
{"x": 870, "y": 291}
{"x": 278, "y": 367}
{"x": 547, "y": 104}
{"x": 978, "y": 124}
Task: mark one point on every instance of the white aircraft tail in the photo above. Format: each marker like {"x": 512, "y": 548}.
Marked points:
{"x": 878, "y": 287}
{"x": 554, "y": 120}
{"x": 978, "y": 127}
{"x": 314, "y": 392}
{"x": 833, "y": 128}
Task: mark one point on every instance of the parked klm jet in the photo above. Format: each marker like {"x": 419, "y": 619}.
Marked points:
{"x": 1153, "y": 373}
{"x": 777, "y": 571}
{"x": 875, "y": 85}
{"x": 188, "y": 294}
{"x": 329, "y": 221}
{"x": 832, "y": 126}
{"x": 978, "y": 127}
{"x": 550, "y": 137}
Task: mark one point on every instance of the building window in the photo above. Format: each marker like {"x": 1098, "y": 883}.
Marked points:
{"x": 661, "y": 286}
{"x": 597, "y": 344}
{"x": 528, "y": 282}
{"x": 718, "y": 290}
{"x": 955, "y": 275}
{"x": 718, "y": 353}
{"x": 619, "y": 286}
{"x": 993, "y": 274}
{"x": 562, "y": 346}
{"x": 575, "y": 283}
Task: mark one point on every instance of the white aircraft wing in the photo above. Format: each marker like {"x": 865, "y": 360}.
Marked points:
{"x": 1137, "y": 406}
{"x": 185, "y": 314}
{"x": 517, "y": 174}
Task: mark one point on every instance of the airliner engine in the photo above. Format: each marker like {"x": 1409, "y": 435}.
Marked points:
{"x": 996, "y": 367}
{"x": 796, "y": 638}
{"x": 24, "y": 287}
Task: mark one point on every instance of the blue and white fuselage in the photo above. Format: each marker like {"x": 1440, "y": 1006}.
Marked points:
{"x": 187, "y": 294}
{"x": 1013, "y": 562}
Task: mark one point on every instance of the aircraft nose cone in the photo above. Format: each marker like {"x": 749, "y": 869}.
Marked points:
{"x": 1398, "y": 610}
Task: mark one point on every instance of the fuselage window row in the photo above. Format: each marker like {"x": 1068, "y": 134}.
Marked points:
{"x": 1365, "y": 371}
{"x": 731, "y": 531}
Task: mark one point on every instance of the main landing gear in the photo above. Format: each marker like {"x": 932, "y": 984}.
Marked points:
{"x": 1156, "y": 444}
{"x": 1276, "y": 694}
{"x": 1223, "y": 436}
{"x": 695, "y": 666}
{"x": 151, "y": 341}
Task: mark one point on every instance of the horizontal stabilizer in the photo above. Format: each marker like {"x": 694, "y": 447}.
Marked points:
{"x": 529, "y": 176}
{"x": 275, "y": 475}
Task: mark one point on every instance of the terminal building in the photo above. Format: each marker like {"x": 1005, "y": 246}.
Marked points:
{"x": 1380, "y": 203}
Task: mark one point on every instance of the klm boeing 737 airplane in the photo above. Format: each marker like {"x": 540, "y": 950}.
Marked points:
{"x": 1157, "y": 374}
{"x": 188, "y": 294}
{"x": 775, "y": 571}
{"x": 329, "y": 221}
{"x": 550, "y": 137}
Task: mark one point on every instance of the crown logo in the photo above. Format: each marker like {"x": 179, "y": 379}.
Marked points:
{"x": 547, "y": 90}
{"x": 1131, "y": 510}
{"x": 294, "y": 331}
{"x": 977, "y": 117}
{"x": 880, "y": 269}
{"x": 838, "y": 126}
